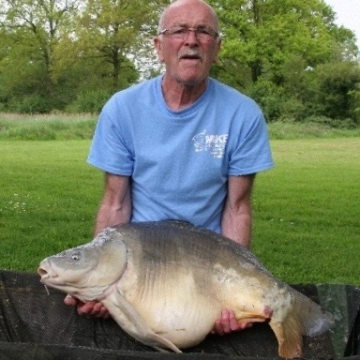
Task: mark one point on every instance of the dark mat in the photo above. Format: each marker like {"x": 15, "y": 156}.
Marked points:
{"x": 35, "y": 324}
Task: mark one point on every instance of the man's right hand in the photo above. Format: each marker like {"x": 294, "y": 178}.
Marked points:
{"x": 90, "y": 308}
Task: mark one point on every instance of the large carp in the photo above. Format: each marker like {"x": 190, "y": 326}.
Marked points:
{"x": 165, "y": 283}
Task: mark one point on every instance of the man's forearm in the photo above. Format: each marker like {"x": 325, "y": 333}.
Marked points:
{"x": 237, "y": 217}
{"x": 237, "y": 226}
{"x": 116, "y": 204}
{"x": 108, "y": 216}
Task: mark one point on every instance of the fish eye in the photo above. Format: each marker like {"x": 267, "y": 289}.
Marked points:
{"x": 75, "y": 256}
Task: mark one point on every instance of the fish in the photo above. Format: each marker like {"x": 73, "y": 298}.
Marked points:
{"x": 166, "y": 282}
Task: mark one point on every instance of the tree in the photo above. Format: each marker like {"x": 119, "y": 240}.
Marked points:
{"x": 270, "y": 47}
{"x": 114, "y": 31}
{"x": 72, "y": 54}
{"x": 338, "y": 87}
{"x": 260, "y": 35}
{"x": 36, "y": 28}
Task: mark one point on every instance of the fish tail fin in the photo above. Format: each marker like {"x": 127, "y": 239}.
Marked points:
{"x": 288, "y": 335}
{"x": 305, "y": 318}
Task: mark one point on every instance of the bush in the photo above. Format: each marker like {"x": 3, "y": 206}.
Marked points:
{"x": 334, "y": 123}
{"x": 269, "y": 96}
{"x": 29, "y": 104}
{"x": 89, "y": 101}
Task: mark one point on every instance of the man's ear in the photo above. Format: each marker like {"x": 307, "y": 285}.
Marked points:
{"x": 218, "y": 50}
{"x": 158, "y": 48}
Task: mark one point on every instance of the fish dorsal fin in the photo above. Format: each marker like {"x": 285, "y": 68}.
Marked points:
{"x": 181, "y": 224}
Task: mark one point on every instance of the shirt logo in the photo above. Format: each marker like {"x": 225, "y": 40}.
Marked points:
{"x": 214, "y": 144}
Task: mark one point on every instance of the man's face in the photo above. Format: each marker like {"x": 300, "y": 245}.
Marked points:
{"x": 188, "y": 59}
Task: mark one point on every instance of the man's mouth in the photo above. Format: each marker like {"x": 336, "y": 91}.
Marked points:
{"x": 190, "y": 56}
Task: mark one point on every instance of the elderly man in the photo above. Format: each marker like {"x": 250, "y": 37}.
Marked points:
{"x": 181, "y": 146}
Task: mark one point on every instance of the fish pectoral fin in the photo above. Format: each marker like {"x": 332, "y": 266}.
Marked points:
{"x": 160, "y": 349}
{"x": 289, "y": 337}
{"x": 247, "y": 317}
{"x": 143, "y": 332}
{"x": 165, "y": 342}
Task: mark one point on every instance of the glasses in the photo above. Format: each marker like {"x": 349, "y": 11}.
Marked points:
{"x": 202, "y": 33}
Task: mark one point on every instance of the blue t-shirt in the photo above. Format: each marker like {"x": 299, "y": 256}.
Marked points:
{"x": 179, "y": 161}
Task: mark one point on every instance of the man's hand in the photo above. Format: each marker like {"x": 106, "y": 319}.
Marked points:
{"x": 228, "y": 323}
{"x": 92, "y": 308}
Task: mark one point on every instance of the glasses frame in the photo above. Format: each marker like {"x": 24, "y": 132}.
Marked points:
{"x": 212, "y": 34}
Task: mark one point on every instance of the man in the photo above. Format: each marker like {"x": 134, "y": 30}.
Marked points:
{"x": 181, "y": 146}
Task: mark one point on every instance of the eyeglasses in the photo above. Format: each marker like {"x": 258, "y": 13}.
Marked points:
{"x": 202, "y": 33}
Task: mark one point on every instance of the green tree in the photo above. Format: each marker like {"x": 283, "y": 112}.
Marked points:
{"x": 114, "y": 32}
{"x": 72, "y": 54}
{"x": 338, "y": 90}
{"x": 270, "y": 48}
{"x": 36, "y": 28}
{"x": 260, "y": 35}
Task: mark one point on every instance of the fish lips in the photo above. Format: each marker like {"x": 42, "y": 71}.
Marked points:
{"x": 46, "y": 271}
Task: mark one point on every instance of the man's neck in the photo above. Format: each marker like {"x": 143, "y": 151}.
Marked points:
{"x": 179, "y": 96}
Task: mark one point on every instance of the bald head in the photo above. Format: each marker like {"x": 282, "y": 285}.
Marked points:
{"x": 187, "y": 3}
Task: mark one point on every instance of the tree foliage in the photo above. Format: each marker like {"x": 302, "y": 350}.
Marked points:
{"x": 72, "y": 54}
{"x": 273, "y": 50}
{"x": 33, "y": 30}
{"x": 115, "y": 31}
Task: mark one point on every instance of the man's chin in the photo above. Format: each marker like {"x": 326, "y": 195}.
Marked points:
{"x": 191, "y": 81}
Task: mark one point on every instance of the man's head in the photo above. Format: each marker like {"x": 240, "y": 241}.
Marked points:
{"x": 188, "y": 41}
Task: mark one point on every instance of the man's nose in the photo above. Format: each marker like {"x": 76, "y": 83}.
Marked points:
{"x": 191, "y": 37}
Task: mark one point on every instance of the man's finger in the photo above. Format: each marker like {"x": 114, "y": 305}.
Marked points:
{"x": 86, "y": 308}
{"x": 71, "y": 301}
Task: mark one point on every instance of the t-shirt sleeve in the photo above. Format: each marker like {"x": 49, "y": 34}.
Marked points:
{"x": 252, "y": 152}
{"x": 109, "y": 149}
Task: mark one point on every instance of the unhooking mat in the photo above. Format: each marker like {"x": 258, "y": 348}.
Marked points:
{"x": 36, "y": 325}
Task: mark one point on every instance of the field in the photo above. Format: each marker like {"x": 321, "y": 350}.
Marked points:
{"x": 306, "y": 210}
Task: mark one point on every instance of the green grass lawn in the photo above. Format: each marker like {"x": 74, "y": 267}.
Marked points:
{"x": 48, "y": 199}
{"x": 306, "y": 210}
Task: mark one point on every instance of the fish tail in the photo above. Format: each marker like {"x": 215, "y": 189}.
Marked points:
{"x": 288, "y": 335}
{"x": 303, "y": 318}
{"x": 314, "y": 320}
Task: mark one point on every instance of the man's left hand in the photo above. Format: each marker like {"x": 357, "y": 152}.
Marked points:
{"x": 228, "y": 323}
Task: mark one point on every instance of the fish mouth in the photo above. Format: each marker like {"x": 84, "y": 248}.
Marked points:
{"x": 46, "y": 271}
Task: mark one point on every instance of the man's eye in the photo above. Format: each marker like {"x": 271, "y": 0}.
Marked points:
{"x": 179, "y": 31}
{"x": 203, "y": 31}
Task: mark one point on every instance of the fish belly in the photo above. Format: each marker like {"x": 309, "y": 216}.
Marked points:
{"x": 177, "y": 311}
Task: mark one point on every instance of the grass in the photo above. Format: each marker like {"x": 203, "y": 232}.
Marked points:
{"x": 48, "y": 199}
{"x": 46, "y": 127}
{"x": 59, "y": 126}
{"x": 307, "y": 130}
{"x": 306, "y": 210}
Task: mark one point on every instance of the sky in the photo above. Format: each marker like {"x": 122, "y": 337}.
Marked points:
{"x": 347, "y": 14}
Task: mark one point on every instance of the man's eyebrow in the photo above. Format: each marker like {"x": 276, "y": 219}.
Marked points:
{"x": 180, "y": 25}
{"x": 201, "y": 25}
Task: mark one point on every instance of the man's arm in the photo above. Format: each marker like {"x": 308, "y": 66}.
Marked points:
{"x": 115, "y": 207}
{"x": 237, "y": 215}
{"x": 236, "y": 225}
